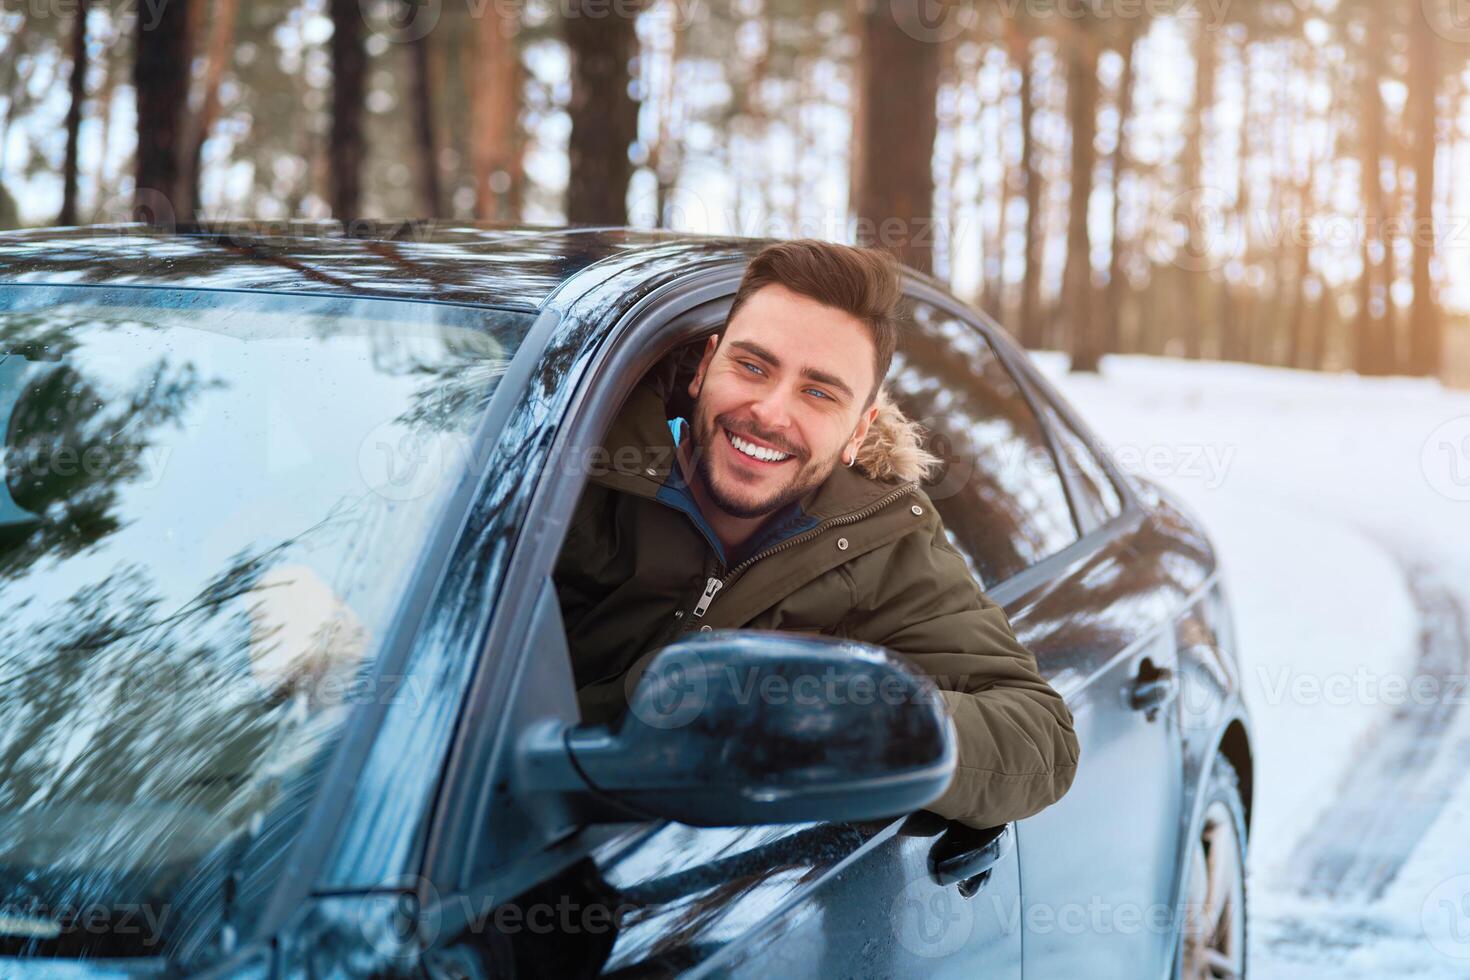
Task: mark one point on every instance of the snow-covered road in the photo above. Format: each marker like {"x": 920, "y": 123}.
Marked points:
{"x": 1341, "y": 509}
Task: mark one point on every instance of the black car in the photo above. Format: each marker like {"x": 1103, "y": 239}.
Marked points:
{"x": 284, "y": 690}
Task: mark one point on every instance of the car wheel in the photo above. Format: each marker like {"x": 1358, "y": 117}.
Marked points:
{"x": 1212, "y": 944}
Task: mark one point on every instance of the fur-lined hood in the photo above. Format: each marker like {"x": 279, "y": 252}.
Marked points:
{"x": 894, "y": 448}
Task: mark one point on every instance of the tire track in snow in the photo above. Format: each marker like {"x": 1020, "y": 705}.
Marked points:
{"x": 1391, "y": 797}
{"x": 1324, "y": 911}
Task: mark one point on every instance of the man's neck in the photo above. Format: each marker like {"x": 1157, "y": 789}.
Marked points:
{"x": 732, "y": 531}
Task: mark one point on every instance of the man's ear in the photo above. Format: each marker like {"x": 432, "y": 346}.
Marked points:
{"x": 704, "y": 362}
{"x": 860, "y": 434}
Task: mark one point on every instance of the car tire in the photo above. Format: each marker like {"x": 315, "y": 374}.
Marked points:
{"x": 1212, "y": 939}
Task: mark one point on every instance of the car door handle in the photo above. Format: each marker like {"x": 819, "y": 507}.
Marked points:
{"x": 1152, "y": 688}
{"x": 965, "y": 856}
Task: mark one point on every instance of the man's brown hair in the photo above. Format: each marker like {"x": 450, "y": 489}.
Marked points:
{"x": 863, "y": 282}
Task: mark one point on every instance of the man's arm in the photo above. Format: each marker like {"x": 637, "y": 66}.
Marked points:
{"x": 1017, "y": 750}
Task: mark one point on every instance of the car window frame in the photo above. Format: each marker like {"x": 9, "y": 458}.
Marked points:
{"x": 678, "y": 312}
{"x": 1013, "y": 358}
{"x": 675, "y": 313}
{"x": 959, "y": 314}
{"x": 1048, "y": 395}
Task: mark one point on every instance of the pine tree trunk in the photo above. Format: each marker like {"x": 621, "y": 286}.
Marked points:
{"x": 1234, "y": 327}
{"x": 494, "y": 78}
{"x": 68, "y": 214}
{"x": 161, "y": 80}
{"x": 604, "y": 115}
{"x": 217, "y": 58}
{"x": 1372, "y": 334}
{"x": 421, "y": 98}
{"x": 1297, "y": 340}
{"x": 345, "y": 150}
{"x": 1113, "y": 307}
{"x": 900, "y": 80}
{"x": 996, "y": 232}
{"x": 1321, "y": 325}
{"x": 1030, "y": 329}
{"x": 1426, "y": 340}
{"x": 1196, "y": 321}
{"x": 1078, "y": 295}
{"x": 1301, "y": 239}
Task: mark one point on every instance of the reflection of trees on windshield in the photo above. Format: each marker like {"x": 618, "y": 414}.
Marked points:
{"x": 178, "y": 654}
{"x": 68, "y": 447}
{"x": 133, "y": 738}
{"x": 459, "y": 377}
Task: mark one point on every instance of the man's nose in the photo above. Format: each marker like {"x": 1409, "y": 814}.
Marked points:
{"x": 771, "y": 412}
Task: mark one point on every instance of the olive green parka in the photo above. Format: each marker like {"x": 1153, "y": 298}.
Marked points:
{"x": 864, "y": 556}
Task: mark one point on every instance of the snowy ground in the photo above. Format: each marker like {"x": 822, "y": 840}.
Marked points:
{"x": 1341, "y": 509}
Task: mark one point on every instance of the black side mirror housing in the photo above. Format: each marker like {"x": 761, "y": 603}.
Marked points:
{"x": 745, "y": 727}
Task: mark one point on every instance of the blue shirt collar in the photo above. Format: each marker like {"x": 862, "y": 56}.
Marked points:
{"x": 788, "y": 522}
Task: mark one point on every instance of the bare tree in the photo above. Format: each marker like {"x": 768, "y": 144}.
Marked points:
{"x": 1206, "y": 63}
{"x": 899, "y": 77}
{"x": 161, "y": 80}
{"x": 346, "y": 147}
{"x": 1112, "y": 329}
{"x": 1374, "y": 334}
{"x": 1426, "y": 339}
{"x": 421, "y": 99}
{"x": 68, "y": 214}
{"x": 1030, "y": 316}
{"x": 604, "y": 114}
{"x": 1078, "y": 296}
{"x": 218, "y": 55}
{"x": 494, "y": 77}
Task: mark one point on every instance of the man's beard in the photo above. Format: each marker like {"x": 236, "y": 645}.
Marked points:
{"x": 809, "y": 474}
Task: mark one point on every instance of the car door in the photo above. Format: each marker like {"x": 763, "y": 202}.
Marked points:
{"x": 855, "y": 900}
{"x": 827, "y": 899}
{"x": 1098, "y": 867}
{"x": 661, "y": 898}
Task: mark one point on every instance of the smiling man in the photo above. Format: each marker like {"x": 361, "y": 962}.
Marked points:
{"x": 791, "y": 501}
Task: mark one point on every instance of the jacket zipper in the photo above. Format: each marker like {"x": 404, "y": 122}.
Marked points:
{"x": 715, "y": 584}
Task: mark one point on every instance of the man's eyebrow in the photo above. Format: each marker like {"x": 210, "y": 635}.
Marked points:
{"x": 751, "y": 347}
{"x": 821, "y": 377}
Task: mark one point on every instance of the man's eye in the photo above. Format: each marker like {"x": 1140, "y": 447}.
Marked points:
{"x": 820, "y": 393}
{"x": 754, "y": 369}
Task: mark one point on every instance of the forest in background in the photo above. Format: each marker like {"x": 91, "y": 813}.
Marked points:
{"x": 1269, "y": 181}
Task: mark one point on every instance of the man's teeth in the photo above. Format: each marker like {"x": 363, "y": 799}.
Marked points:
{"x": 759, "y": 452}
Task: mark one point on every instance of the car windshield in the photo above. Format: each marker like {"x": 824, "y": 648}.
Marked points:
{"x": 211, "y": 508}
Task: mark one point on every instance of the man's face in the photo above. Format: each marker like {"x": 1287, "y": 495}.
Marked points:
{"x": 779, "y": 400}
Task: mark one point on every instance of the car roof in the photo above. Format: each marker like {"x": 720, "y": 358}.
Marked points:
{"x": 514, "y": 267}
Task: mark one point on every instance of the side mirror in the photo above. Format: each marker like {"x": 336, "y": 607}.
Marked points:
{"x": 742, "y": 727}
